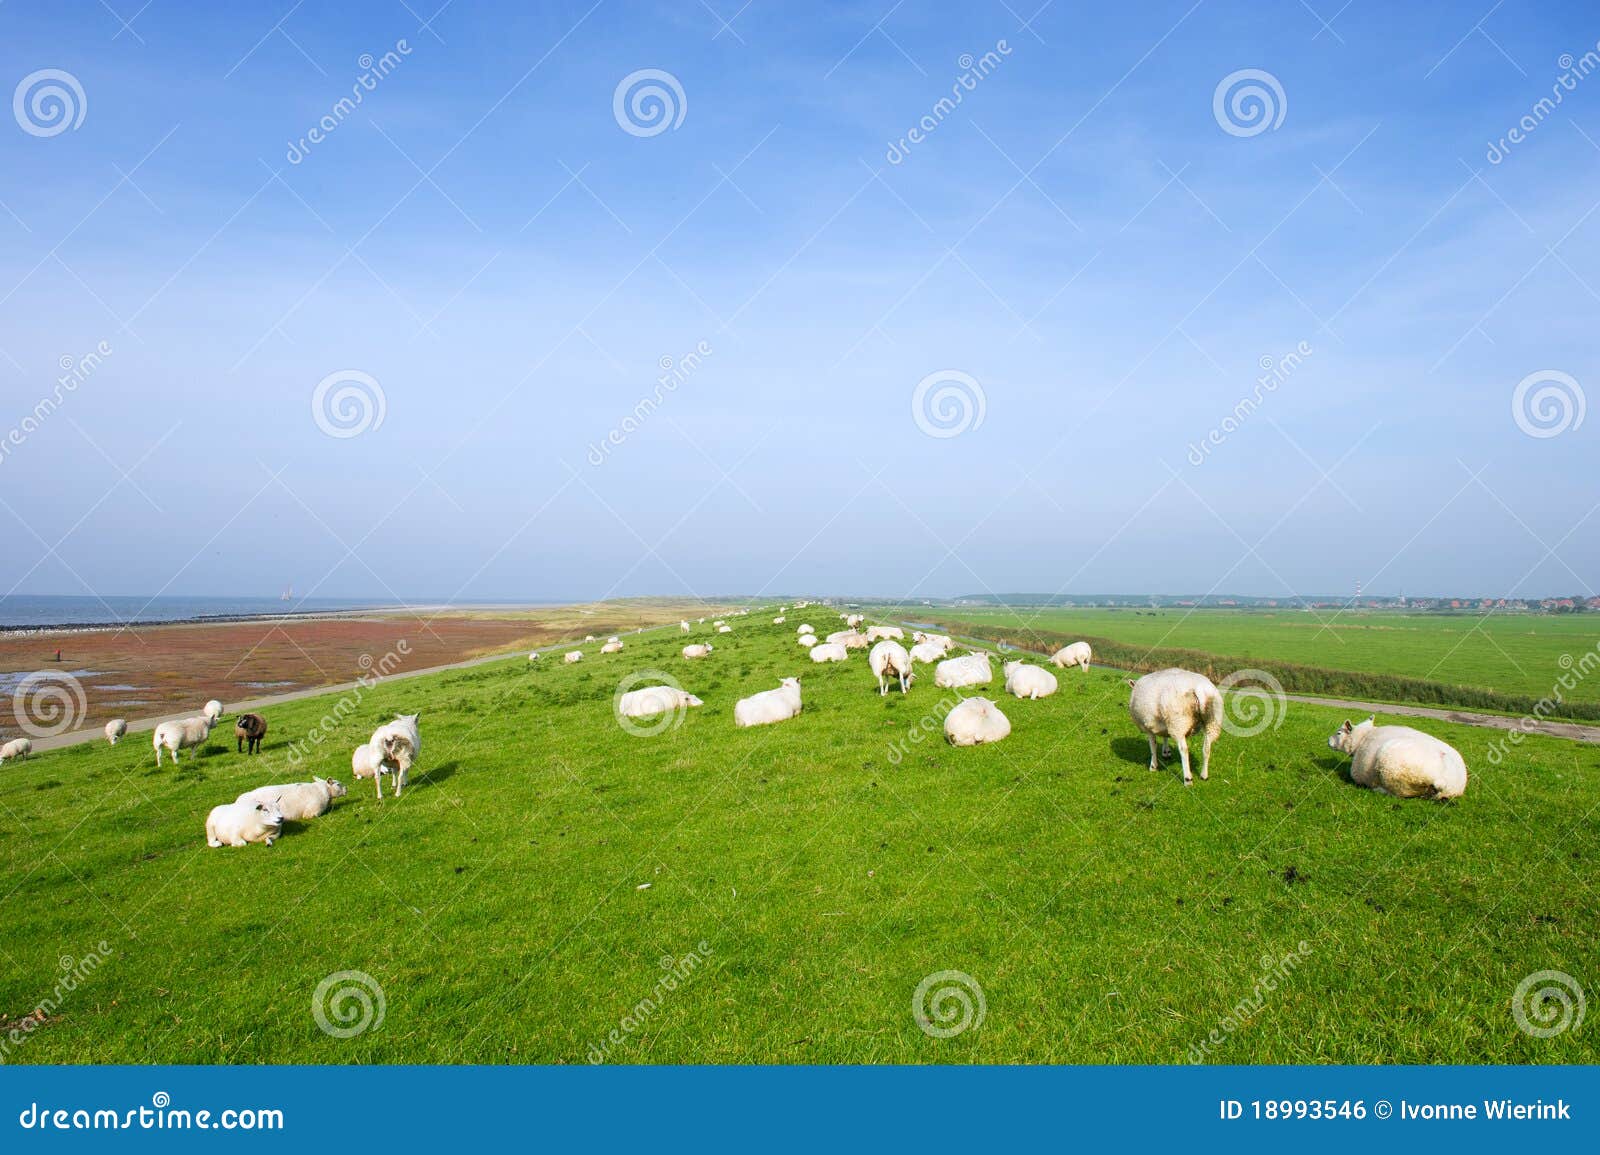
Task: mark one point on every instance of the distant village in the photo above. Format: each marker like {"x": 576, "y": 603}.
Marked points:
{"x": 1580, "y": 603}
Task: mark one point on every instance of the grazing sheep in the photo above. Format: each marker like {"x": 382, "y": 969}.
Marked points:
{"x": 212, "y": 710}
{"x": 298, "y": 801}
{"x": 683, "y": 627}
{"x": 611, "y": 648}
{"x": 115, "y": 729}
{"x": 248, "y": 731}
{"x": 890, "y": 657}
{"x": 805, "y": 629}
{"x": 1174, "y": 704}
{"x": 175, "y": 736}
{"x": 778, "y": 621}
{"x": 879, "y": 633}
{"x": 698, "y": 650}
{"x": 928, "y": 652}
{"x": 1401, "y": 761}
{"x": 240, "y": 823}
{"x": 724, "y": 629}
{"x": 573, "y": 656}
{"x": 807, "y": 640}
{"x": 769, "y": 706}
{"x": 1077, "y": 654}
{"x": 854, "y": 620}
{"x": 1025, "y": 681}
{"x": 16, "y": 750}
{"x": 975, "y": 721}
{"x": 829, "y": 652}
{"x": 650, "y": 700}
{"x": 967, "y": 670}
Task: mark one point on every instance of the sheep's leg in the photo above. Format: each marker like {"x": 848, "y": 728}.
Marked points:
{"x": 1152, "y": 740}
{"x": 1183, "y": 754}
{"x": 377, "y": 780}
{"x": 1166, "y": 746}
{"x": 1205, "y": 755}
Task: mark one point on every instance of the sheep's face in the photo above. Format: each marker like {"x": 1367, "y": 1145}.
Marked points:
{"x": 1347, "y": 737}
{"x": 269, "y": 814}
{"x": 687, "y": 699}
{"x": 790, "y": 683}
{"x": 336, "y": 789}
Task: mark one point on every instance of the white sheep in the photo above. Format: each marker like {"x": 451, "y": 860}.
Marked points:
{"x": 1025, "y": 681}
{"x": 938, "y": 639}
{"x": 572, "y": 656}
{"x": 16, "y": 750}
{"x": 805, "y": 629}
{"x": 1077, "y": 654}
{"x": 180, "y": 735}
{"x": 1401, "y": 761}
{"x": 718, "y": 624}
{"x": 533, "y": 656}
{"x": 854, "y": 620}
{"x": 879, "y": 633}
{"x": 778, "y": 621}
{"x": 650, "y": 700}
{"x": 769, "y": 706}
{"x": 298, "y": 801}
{"x": 212, "y": 710}
{"x": 928, "y": 652}
{"x": 611, "y": 648}
{"x": 589, "y": 638}
{"x": 974, "y": 721}
{"x": 724, "y": 629}
{"x": 683, "y": 627}
{"x": 392, "y": 749}
{"x": 890, "y": 657}
{"x": 115, "y": 729}
{"x": 240, "y": 823}
{"x": 1173, "y": 704}
{"x": 807, "y": 640}
{"x": 967, "y": 670}
{"x": 698, "y": 650}
{"x": 829, "y": 652}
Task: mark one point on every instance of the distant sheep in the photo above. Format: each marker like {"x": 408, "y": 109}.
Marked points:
{"x": 805, "y": 629}
{"x": 928, "y": 652}
{"x": 1401, "y": 761}
{"x": 1077, "y": 654}
{"x": 1025, "y": 681}
{"x": 16, "y": 750}
{"x": 650, "y": 700}
{"x": 854, "y": 620}
{"x": 572, "y": 656}
{"x": 115, "y": 729}
{"x": 967, "y": 670}
{"x": 974, "y": 721}
{"x": 855, "y": 640}
{"x": 830, "y": 652}
{"x": 698, "y": 650}
{"x": 778, "y": 621}
{"x": 724, "y": 629}
{"x": 718, "y": 624}
{"x": 241, "y": 823}
{"x": 611, "y": 648}
{"x": 1173, "y": 704}
{"x": 212, "y": 710}
{"x": 769, "y": 706}
{"x": 683, "y": 627}
{"x": 807, "y": 640}
{"x": 589, "y": 638}
{"x": 879, "y": 633}
{"x": 533, "y": 656}
{"x": 889, "y": 658}
{"x": 937, "y": 639}
{"x": 248, "y": 731}
{"x": 180, "y": 735}
{"x": 298, "y": 801}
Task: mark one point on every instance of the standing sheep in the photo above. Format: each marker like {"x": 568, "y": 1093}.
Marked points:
{"x": 16, "y": 750}
{"x": 392, "y": 749}
{"x": 967, "y": 670}
{"x": 890, "y": 657}
{"x": 248, "y": 731}
{"x": 115, "y": 729}
{"x": 180, "y": 735}
{"x": 1077, "y": 654}
{"x": 212, "y": 710}
{"x": 769, "y": 706}
{"x": 1174, "y": 704}
{"x": 1401, "y": 761}
{"x": 1025, "y": 681}
{"x": 974, "y": 721}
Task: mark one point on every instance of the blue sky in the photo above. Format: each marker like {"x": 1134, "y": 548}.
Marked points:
{"x": 1081, "y": 238}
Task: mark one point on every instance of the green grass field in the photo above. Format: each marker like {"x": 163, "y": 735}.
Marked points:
{"x": 1107, "y": 913}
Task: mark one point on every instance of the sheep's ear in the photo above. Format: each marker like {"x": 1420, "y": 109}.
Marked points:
{"x": 1130, "y": 682}
{"x": 1372, "y": 717}
{"x": 1346, "y": 728}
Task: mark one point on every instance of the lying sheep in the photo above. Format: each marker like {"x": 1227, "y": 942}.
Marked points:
{"x": 298, "y": 801}
{"x": 829, "y": 652}
{"x": 937, "y": 639}
{"x": 573, "y": 656}
{"x": 807, "y": 640}
{"x": 718, "y": 624}
{"x": 240, "y": 823}
{"x": 698, "y": 650}
{"x": 180, "y": 735}
{"x": 974, "y": 721}
{"x": 890, "y": 657}
{"x": 1025, "y": 681}
{"x": 724, "y": 629}
{"x": 16, "y": 750}
{"x": 855, "y": 640}
{"x": 928, "y": 652}
{"x": 769, "y": 706}
{"x": 778, "y": 621}
{"x": 115, "y": 729}
{"x": 650, "y": 700}
{"x": 251, "y": 729}
{"x": 1077, "y": 654}
{"x": 805, "y": 629}
{"x": 1401, "y": 761}
{"x": 879, "y": 633}
{"x": 589, "y": 638}
{"x": 967, "y": 670}
{"x": 212, "y": 710}
{"x": 611, "y": 648}
{"x": 1174, "y": 704}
